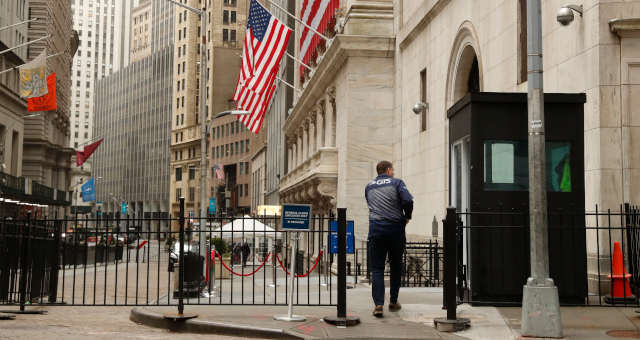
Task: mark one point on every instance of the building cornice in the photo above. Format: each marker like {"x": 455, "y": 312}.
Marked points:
{"x": 420, "y": 18}
{"x": 625, "y": 27}
{"x": 342, "y": 47}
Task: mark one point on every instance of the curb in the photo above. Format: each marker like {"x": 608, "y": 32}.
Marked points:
{"x": 156, "y": 320}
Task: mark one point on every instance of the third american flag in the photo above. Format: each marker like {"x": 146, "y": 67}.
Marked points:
{"x": 264, "y": 45}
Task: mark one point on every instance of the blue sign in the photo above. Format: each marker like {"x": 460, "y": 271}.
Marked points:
{"x": 296, "y": 217}
{"x": 124, "y": 208}
{"x": 212, "y": 206}
{"x": 89, "y": 191}
{"x": 333, "y": 238}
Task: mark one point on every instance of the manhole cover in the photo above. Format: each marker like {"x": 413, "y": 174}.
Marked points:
{"x": 625, "y": 334}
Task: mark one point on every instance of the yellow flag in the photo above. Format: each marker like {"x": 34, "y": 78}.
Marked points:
{"x": 33, "y": 77}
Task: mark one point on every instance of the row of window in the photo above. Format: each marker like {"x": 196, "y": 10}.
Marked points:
{"x": 227, "y": 130}
{"x": 192, "y": 173}
{"x": 230, "y": 149}
{"x": 178, "y": 154}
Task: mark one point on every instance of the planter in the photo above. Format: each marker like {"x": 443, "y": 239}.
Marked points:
{"x": 220, "y": 271}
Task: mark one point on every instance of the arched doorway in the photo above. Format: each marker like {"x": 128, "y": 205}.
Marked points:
{"x": 464, "y": 76}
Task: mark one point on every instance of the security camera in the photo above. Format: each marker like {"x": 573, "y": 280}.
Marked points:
{"x": 420, "y": 107}
{"x": 565, "y": 14}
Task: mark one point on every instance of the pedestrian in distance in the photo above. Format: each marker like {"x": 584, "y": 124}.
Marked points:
{"x": 390, "y": 207}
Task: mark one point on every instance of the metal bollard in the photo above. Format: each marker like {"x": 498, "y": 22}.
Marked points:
{"x": 342, "y": 320}
{"x": 450, "y": 323}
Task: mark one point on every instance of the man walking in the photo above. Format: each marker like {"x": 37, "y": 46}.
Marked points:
{"x": 390, "y": 207}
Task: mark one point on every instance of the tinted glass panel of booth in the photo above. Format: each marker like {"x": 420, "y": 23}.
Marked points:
{"x": 506, "y": 166}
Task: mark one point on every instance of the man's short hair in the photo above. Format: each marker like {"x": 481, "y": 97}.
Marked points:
{"x": 382, "y": 167}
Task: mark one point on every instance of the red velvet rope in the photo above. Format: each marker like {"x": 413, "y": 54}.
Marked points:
{"x": 307, "y": 273}
{"x": 240, "y": 274}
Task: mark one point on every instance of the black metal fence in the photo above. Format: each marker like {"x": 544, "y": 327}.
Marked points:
{"x": 422, "y": 264}
{"x": 493, "y": 256}
{"x": 108, "y": 262}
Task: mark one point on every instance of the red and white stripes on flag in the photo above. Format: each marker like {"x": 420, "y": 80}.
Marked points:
{"x": 319, "y": 14}
{"x": 265, "y": 43}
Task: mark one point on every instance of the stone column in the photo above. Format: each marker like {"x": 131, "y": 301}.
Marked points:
{"x": 319, "y": 127}
{"x": 312, "y": 136}
{"x": 289, "y": 154}
{"x": 294, "y": 156}
{"x": 329, "y": 123}
{"x": 299, "y": 149}
{"x": 305, "y": 141}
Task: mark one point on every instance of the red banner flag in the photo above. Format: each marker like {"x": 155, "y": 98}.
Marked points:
{"x": 82, "y": 156}
{"x": 47, "y": 102}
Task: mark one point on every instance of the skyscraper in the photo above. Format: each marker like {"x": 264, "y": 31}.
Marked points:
{"x": 103, "y": 27}
{"x": 133, "y": 113}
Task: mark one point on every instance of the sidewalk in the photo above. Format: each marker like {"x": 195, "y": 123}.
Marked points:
{"x": 415, "y": 321}
{"x": 258, "y": 320}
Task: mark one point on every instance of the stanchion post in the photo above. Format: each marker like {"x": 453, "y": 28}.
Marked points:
{"x": 342, "y": 320}
{"x": 292, "y": 274}
{"x": 450, "y": 323}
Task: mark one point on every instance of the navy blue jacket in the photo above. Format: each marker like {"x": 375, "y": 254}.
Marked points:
{"x": 390, "y": 205}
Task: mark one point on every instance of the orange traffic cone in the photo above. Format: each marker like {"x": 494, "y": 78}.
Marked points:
{"x": 620, "y": 290}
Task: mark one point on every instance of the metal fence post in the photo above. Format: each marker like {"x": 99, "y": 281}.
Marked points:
{"x": 55, "y": 265}
{"x": 180, "y": 316}
{"x": 450, "y": 323}
{"x": 342, "y": 320}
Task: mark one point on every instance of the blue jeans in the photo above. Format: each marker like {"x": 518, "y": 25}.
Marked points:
{"x": 379, "y": 248}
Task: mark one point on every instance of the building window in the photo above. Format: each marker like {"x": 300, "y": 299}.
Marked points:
{"x": 247, "y": 144}
{"x": 192, "y": 172}
{"x": 423, "y": 98}
{"x": 192, "y": 194}
{"x": 522, "y": 41}
{"x": 178, "y": 193}
{"x": 178, "y": 174}
{"x": 241, "y": 146}
{"x": 233, "y": 35}
{"x": 246, "y": 189}
{"x": 225, "y": 17}
{"x": 225, "y": 34}
{"x": 233, "y": 17}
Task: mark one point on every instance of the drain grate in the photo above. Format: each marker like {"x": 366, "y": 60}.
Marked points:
{"x": 625, "y": 334}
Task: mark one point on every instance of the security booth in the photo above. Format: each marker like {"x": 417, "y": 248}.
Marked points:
{"x": 489, "y": 182}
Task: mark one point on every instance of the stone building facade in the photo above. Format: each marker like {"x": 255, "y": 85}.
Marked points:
{"x": 341, "y": 122}
{"x": 355, "y": 107}
{"x": 12, "y": 107}
{"x": 46, "y": 149}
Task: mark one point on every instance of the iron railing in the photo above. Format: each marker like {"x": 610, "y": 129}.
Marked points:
{"x": 117, "y": 262}
{"x": 493, "y": 256}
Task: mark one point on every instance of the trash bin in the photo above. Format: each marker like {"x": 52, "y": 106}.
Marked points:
{"x": 193, "y": 278}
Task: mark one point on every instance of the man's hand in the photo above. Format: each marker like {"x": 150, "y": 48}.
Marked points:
{"x": 406, "y": 221}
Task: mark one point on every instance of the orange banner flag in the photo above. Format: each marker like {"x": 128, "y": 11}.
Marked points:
{"x": 47, "y": 102}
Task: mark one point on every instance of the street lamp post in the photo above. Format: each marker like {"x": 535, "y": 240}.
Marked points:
{"x": 540, "y": 303}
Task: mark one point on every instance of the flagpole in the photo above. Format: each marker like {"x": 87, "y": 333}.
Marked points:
{"x": 15, "y": 67}
{"x": 87, "y": 142}
{"x": 284, "y": 82}
{"x": 24, "y": 44}
{"x": 17, "y": 24}
{"x": 299, "y": 61}
{"x": 300, "y": 21}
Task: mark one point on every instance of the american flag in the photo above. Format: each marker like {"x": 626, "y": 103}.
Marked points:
{"x": 319, "y": 14}
{"x": 219, "y": 169}
{"x": 264, "y": 45}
